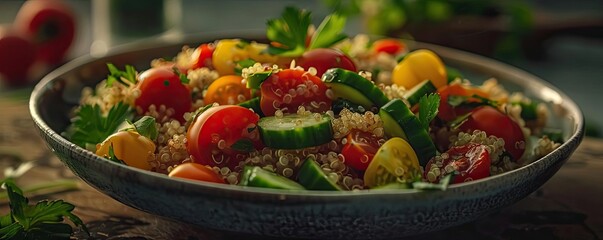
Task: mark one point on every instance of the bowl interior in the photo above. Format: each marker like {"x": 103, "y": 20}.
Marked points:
{"x": 55, "y": 96}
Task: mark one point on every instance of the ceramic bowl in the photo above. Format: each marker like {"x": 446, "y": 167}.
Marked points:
{"x": 308, "y": 214}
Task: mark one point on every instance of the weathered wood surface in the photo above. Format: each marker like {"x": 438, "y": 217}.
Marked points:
{"x": 568, "y": 206}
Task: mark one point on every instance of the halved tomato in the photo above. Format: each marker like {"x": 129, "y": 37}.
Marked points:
{"x": 290, "y": 88}
{"x": 359, "y": 149}
{"x": 471, "y": 162}
{"x": 227, "y": 90}
{"x": 223, "y": 136}
{"x": 162, "y": 86}
{"x": 196, "y": 171}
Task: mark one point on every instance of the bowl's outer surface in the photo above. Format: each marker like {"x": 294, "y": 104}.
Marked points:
{"x": 312, "y": 214}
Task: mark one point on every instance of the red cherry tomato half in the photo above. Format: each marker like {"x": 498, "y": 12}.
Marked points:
{"x": 195, "y": 171}
{"x": 211, "y": 136}
{"x": 51, "y": 26}
{"x": 201, "y": 57}
{"x": 324, "y": 59}
{"x": 291, "y": 88}
{"x": 162, "y": 86}
{"x": 494, "y": 122}
{"x": 359, "y": 149}
{"x": 389, "y": 46}
{"x": 471, "y": 162}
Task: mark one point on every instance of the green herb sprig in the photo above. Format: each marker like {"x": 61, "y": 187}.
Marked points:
{"x": 291, "y": 30}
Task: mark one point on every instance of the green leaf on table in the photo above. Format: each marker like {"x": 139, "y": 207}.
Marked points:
{"x": 43, "y": 220}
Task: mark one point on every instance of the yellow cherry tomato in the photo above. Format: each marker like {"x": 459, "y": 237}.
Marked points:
{"x": 395, "y": 161}
{"x": 417, "y": 66}
{"x": 227, "y": 90}
{"x": 230, "y": 51}
{"x": 129, "y": 146}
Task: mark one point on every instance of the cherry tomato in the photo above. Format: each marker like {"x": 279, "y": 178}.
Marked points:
{"x": 447, "y": 112}
{"x": 395, "y": 161}
{"x": 211, "y": 136}
{"x": 290, "y": 88}
{"x": 494, "y": 122}
{"x": 162, "y": 86}
{"x": 195, "y": 171}
{"x": 229, "y": 51}
{"x": 227, "y": 90}
{"x": 325, "y": 58}
{"x": 129, "y": 146}
{"x": 359, "y": 149}
{"x": 420, "y": 65}
{"x": 389, "y": 45}
{"x": 471, "y": 162}
{"x": 201, "y": 57}
{"x": 17, "y": 55}
{"x": 51, "y": 26}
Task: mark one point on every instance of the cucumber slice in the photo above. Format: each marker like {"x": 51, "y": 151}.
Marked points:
{"x": 399, "y": 121}
{"x": 312, "y": 177}
{"x": 254, "y": 104}
{"x": 255, "y": 80}
{"x": 423, "y": 88}
{"x": 255, "y": 176}
{"x": 295, "y": 131}
{"x": 353, "y": 87}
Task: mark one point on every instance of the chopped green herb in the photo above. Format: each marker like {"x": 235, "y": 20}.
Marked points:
{"x": 116, "y": 75}
{"x": 243, "y": 145}
{"x": 240, "y": 65}
{"x": 147, "y": 126}
{"x": 291, "y": 30}
{"x": 90, "y": 127}
{"x": 470, "y": 101}
{"x": 428, "y": 109}
{"x": 182, "y": 76}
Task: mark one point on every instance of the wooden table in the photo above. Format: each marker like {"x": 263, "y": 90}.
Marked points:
{"x": 568, "y": 206}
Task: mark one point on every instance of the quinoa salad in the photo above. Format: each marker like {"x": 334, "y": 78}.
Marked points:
{"x": 311, "y": 108}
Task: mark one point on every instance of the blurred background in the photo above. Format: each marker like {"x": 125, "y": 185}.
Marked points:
{"x": 557, "y": 40}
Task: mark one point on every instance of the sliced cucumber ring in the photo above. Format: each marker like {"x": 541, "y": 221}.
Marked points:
{"x": 254, "y": 104}
{"x": 312, "y": 177}
{"x": 423, "y": 88}
{"x": 353, "y": 87}
{"x": 255, "y": 176}
{"x": 295, "y": 131}
{"x": 399, "y": 121}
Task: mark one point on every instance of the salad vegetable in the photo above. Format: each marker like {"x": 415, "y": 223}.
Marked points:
{"x": 312, "y": 109}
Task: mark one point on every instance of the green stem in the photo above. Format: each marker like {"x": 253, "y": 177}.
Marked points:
{"x": 47, "y": 188}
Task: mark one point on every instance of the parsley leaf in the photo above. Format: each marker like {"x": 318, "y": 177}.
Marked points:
{"x": 428, "y": 109}
{"x": 243, "y": 145}
{"x": 146, "y": 126}
{"x": 240, "y": 65}
{"x": 41, "y": 221}
{"x": 90, "y": 127}
{"x": 182, "y": 76}
{"x": 116, "y": 75}
{"x": 470, "y": 101}
{"x": 289, "y": 32}
{"x": 329, "y": 32}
